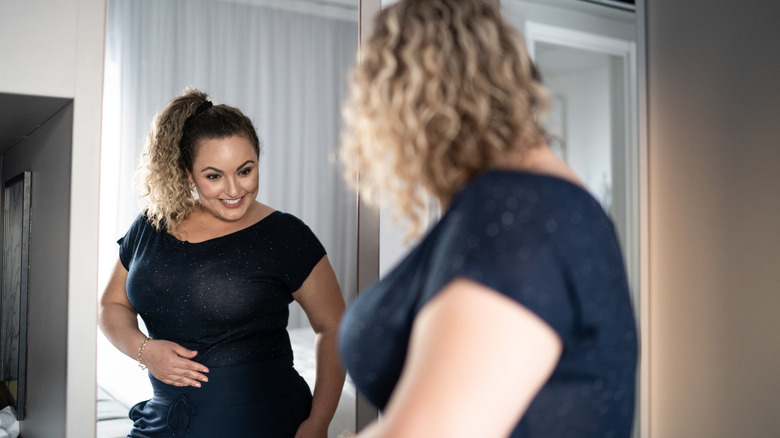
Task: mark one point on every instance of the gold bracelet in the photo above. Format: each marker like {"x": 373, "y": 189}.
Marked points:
{"x": 141, "y": 350}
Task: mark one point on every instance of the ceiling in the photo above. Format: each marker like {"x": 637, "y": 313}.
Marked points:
{"x": 21, "y": 115}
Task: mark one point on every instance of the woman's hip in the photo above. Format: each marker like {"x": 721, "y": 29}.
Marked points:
{"x": 257, "y": 400}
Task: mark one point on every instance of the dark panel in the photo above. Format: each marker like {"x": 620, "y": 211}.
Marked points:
{"x": 21, "y": 115}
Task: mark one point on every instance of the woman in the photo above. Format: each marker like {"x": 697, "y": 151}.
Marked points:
{"x": 211, "y": 271}
{"x": 512, "y": 315}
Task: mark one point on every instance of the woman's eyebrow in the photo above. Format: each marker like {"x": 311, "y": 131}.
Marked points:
{"x": 245, "y": 163}
{"x": 214, "y": 169}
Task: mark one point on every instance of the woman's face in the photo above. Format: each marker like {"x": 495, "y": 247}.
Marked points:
{"x": 225, "y": 176}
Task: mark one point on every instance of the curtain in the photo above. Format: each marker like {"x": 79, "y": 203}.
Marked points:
{"x": 285, "y": 69}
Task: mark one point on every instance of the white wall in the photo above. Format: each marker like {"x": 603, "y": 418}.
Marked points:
{"x": 38, "y": 46}
{"x": 55, "y": 48}
{"x": 588, "y": 124}
{"x": 713, "y": 105}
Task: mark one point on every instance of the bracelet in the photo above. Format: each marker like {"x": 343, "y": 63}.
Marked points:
{"x": 141, "y": 350}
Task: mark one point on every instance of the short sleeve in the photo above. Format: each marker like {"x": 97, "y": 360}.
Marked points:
{"x": 515, "y": 241}
{"x": 299, "y": 251}
{"x": 517, "y": 261}
{"x": 129, "y": 242}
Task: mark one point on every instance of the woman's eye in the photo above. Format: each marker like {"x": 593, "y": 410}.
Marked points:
{"x": 244, "y": 172}
{"x": 213, "y": 176}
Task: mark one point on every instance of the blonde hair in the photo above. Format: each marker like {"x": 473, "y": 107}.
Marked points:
{"x": 166, "y": 191}
{"x": 443, "y": 89}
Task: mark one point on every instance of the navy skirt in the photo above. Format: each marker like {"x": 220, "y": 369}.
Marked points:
{"x": 267, "y": 399}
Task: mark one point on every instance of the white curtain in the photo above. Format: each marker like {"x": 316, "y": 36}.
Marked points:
{"x": 285, "y": 69}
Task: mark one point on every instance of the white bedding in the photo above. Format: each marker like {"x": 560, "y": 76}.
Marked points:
{"x": 121, "y": 384}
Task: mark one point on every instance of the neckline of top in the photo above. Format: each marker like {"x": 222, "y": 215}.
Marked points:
{"x": 224, "y": 236}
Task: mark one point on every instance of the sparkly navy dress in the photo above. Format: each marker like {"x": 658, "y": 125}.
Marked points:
{"x": 545, "y": 243}
{"x": 227, "y": 298}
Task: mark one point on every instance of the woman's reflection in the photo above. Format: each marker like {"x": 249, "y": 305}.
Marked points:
{"x": 285, "y": 66}
{"x": 512, "y": 316}
{"x": 211, "y": 271}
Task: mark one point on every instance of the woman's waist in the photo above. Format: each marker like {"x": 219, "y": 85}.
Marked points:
{"x": 236, "y": 384}
{"x": 232, "y": 347}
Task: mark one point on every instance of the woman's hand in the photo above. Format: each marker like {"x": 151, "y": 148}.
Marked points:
{"x": 167, "y": 361}
{"x": 172, "y": 364}
{"x": 312, "y": 429}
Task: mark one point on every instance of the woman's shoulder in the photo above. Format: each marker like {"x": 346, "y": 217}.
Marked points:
{"x": 285, "y": 226}
{"x": 289, "y": 233}
{"x": 501, "y": 190}
{"x": 504, "y": 209}
{"x": 140, "y": 231}
{"x": 537, "y": 177}
{"x": 143, "y": 222}
{"x": 280, "y": 218}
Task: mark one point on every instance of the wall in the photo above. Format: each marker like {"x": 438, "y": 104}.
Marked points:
{"x": 586, "y": 96}
{"x": 45, "y": 152}
{"x": 713, "y": 105}
{"x": 38, "y": 41}
{"x": 55, "y": 48}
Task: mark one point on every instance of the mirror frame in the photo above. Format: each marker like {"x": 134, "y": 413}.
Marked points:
{"x": 368, "y": 227}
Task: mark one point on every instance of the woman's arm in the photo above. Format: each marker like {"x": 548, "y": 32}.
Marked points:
{"x": 320, "y": 297}
{"x": 167, "y": 361}
{"x": 476, "y": 360}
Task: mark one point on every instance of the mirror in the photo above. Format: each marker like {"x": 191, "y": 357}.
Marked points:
{"x": 284, "y": 63}
{"x": 586, "y": 54}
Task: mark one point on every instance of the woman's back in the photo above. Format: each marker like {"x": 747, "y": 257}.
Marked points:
{"x": 545, "y": 243}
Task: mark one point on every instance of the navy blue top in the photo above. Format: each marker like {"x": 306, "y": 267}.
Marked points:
{"x": 545, "y": 243}
{"x": 226, "y": 297}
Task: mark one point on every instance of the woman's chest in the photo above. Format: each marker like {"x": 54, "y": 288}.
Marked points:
{"x": 375, "y": 331}
{"x": 218, "y": 282}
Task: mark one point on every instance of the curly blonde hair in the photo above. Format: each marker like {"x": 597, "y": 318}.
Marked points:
{"x": 166, "y": 192}
{"x": 443, "y": 89}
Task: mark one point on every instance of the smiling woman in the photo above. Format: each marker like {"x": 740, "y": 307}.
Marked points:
{"x": 284, "y": 63}
{"x": 212, "y": 276}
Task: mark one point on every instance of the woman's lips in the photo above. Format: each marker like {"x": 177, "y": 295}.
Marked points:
{"x": 232, "y": 203}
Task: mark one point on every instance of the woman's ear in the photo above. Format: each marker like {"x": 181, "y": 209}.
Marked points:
{"x": 189, "y": 177}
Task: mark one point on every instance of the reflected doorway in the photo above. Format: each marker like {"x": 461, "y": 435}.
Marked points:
{"x": 593, "y": 123}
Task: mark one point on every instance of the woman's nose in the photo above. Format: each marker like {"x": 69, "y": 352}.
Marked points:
{"x": 232, "y": 188}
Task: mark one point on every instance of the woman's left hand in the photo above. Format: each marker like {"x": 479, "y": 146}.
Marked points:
{"x": 312, "y": 429}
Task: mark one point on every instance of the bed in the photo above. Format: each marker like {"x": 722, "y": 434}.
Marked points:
{"x": 121, "y": 384}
